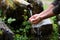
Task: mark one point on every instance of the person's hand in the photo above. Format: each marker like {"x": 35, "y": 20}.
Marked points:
{"x": 35, "y": 19}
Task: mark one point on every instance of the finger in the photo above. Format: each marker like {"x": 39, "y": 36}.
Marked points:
{"x": 35, "y": 22}
{"x": 31, "y": 20}
{"x": 31, "y": 17}
{"x": 34, "y": 16}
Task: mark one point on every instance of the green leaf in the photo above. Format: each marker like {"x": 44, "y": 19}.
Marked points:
{"x": 10, "y": 20}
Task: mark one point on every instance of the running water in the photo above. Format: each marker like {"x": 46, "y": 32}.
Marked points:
{"x": 35, "y": 25}
{"x": 43, "y": 22}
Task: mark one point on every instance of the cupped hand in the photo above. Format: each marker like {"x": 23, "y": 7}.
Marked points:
{"x": 35, "y": 19}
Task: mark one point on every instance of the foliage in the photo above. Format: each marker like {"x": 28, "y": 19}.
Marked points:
{"x": 55, "y": 28}
{"x": 22, "y": 33}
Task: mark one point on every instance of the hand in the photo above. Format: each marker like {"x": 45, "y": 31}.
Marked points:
{"x": 35, "y": 19}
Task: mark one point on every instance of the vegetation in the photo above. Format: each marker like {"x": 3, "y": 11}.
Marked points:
{"x": 23, "y": 33}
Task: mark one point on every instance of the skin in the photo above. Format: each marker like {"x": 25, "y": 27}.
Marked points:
{"x": 43, "y": 15}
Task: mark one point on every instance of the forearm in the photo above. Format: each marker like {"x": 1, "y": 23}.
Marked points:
{"x": 47, "y": 13}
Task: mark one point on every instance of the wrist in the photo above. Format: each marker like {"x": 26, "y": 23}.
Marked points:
{"x": 41, "y": 17}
